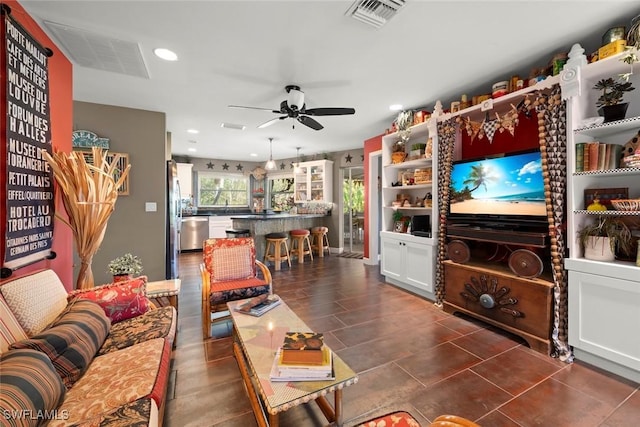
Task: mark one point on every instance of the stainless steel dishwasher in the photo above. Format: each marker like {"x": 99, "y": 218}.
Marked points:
{"x": 194, "y": 230}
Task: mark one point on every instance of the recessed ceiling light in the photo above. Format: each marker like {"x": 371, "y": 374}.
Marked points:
{"x": 192, "y": 150}
{"x": 165, "y": 54}
{"x": 395, "y": 107}
{"x": 193, "y": 131}
{"x": 253, "y": 155}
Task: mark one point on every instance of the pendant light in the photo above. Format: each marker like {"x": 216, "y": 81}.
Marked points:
{"x": 271, "y": 165}
{"x": 296, "y": 167}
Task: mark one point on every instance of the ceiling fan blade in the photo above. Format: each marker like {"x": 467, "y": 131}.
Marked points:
{"x": 331, "y": 111}
{"x": 308, "y": 121}
{"x": 272, "y": 121}
{"x": 254, "y": 108}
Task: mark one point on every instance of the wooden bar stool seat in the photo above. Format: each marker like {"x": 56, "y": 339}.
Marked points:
{"x": 278, "y": 243}
{"x": 320, "y": 240}
{"x": 300, "y": 244}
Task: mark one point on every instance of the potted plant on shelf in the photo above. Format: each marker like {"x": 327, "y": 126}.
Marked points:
{"x": 125, "y": 267}
{"x": 601, "y": 238}
{"x": 610, "y": 101}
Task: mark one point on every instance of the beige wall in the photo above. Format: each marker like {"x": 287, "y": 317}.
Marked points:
{"x": 141, "y": 134}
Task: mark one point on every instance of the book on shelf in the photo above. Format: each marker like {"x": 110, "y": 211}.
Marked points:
{"x": 285, "y": 372}
{"x": 597, "y": 156}
{"x": 303, "y": 348}
{"x": 259, "y": 305}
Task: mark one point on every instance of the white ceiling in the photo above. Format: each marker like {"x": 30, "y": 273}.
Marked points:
{"x": 246, "y": 52}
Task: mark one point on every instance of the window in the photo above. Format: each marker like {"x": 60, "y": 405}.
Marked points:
{"x": 216, "y": 189}
{"x": 281, "y": 193}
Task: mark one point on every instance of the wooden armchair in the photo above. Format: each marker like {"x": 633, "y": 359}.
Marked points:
{"x": 230, "y": 271}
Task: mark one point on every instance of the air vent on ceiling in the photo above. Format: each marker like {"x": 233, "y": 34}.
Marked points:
{"x": 94, "y": 50}
{"x": 232, "y": 126}
{"x": 375, "y": 12}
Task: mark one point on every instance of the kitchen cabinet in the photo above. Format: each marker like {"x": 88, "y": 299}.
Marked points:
{"x": 218, "y": 226}
{"x": 185, "y": 173}
{"x": 407, "y": 261}
{"x": 313, "y": 182}
{"x": 603, "y": 297}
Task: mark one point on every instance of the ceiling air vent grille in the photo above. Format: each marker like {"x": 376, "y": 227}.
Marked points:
{"x": 375, "y": 12}
{"x": 93, "y": 50}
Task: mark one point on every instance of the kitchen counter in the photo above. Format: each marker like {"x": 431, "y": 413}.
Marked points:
{"x": 262, "y": 224}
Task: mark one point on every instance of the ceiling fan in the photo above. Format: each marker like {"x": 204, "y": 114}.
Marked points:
{"x": 295, "y": 108}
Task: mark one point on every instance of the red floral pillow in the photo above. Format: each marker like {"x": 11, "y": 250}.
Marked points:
{"x": 121, "y": 300}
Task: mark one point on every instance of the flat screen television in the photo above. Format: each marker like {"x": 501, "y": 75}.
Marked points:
{"x": 499, "y": 191}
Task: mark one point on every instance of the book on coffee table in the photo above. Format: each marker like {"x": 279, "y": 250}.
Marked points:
{"x": 259, "y": 305}
{"x": 303, "y": 348}
{"x": 286, "y": 372}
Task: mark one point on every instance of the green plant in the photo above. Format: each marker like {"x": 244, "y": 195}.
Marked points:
{"x": 612, "y": 91}
{"x": 125, "y": 264}
{"x": 418, "y": 146}
{"x": 397, "y": 216}
{"x": 615, "y": 229}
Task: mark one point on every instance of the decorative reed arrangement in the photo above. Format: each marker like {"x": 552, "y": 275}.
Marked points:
{"x": 89, "y": 194}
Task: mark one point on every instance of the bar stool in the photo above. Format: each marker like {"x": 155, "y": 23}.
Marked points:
{"x": 277, "y": 241}
{"x": 320, "y": 240}
{"x": 299, "y": 238}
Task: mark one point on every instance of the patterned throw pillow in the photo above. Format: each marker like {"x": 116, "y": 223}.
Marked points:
{"x": 73, "y": 339}
{"x": 121, "y": 300}
{"x": 30, "y": 385}
{"x": 36, "y": 299}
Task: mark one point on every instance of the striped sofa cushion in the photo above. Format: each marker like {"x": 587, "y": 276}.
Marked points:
{"x": 10, "y": 329}
{"x": 36, "y": 299}
{"x": 30, "y": 387}
{"x": 73, "y": 340}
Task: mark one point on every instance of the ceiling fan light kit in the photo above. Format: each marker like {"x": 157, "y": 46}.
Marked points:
{"x": 294, "y": 107}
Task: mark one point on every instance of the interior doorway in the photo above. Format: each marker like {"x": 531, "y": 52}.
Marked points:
{"x": 353, "y": 209}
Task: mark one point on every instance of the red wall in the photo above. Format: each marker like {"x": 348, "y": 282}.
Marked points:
{"x": 525, "y": 136}
{"x": 61, "y": 107}
{"x": 370, "y": 145}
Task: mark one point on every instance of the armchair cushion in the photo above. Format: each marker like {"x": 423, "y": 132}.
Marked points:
{"x": 73, "y": 340}
{"x": 120, "y": 300}
{"x": 234, "y": 258}
{"x": 30, "y": 385}
{"x": 10, "y": 329}
{"x": 223, "y": 292}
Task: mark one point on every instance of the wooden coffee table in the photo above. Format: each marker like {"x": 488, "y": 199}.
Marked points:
{"x": 254, "y": 346}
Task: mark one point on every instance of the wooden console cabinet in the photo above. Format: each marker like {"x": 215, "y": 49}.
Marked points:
{"x": 496, "y": 296}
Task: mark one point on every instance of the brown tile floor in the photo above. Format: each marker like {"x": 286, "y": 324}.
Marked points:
{"x": 408, "y": 354}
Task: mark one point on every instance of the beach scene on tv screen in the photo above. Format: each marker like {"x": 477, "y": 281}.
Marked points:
{"x": 509, "y": 185}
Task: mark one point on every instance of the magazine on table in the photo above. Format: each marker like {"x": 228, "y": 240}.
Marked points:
{"x": 259, "y": 305}
{"x": 281, "y": 372}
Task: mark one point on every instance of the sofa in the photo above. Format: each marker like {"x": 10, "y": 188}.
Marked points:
{"x": 97, "y": 357}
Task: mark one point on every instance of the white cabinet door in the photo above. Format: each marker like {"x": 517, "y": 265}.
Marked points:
{"x": 391, "y": 262}
{"x": 604, "y": 320}
{"x": 184, "y": 178}
{"x": 218, "y": 226}
{"x": 419, "y": 261}
{"x": 407, "y": 259}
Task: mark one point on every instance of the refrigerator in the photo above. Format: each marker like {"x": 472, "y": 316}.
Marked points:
{"x": 174, "y": 218}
